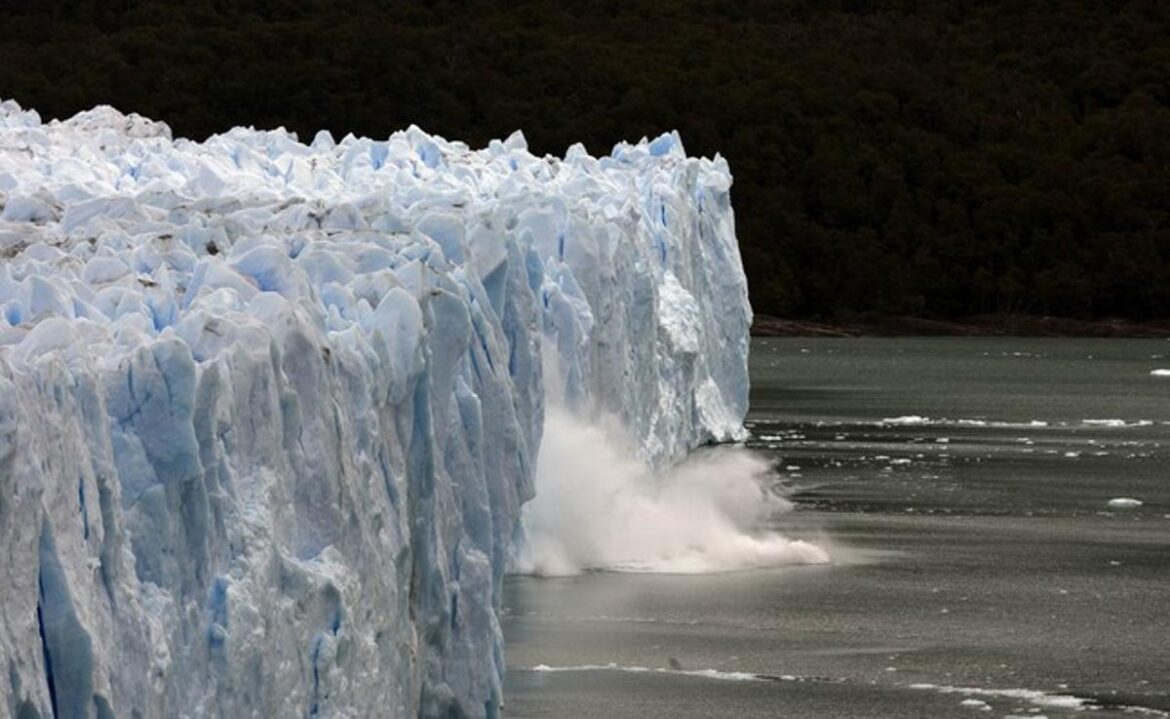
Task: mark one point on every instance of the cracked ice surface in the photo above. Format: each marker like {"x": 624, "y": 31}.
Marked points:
{"x": 268, "y": 411}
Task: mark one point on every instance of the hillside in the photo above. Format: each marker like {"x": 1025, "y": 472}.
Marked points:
{"x": 931, "y": 159}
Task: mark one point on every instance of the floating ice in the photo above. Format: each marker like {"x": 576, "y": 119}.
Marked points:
{"x": 1116, "y": 423}
{"x": 1160, "y": 372}
{"x": 916, "y": 420}
{"x": 700, "y": 673}
{"x": 908, "y": 420}
{"x": 268, "y": 411}
{"x": 1125, "y": 503}
{"x": 1032, "y": 696}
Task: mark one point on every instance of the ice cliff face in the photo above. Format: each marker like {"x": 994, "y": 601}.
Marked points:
{"x": 268, "y": 411}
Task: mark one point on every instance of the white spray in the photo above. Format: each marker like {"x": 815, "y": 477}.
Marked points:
{"x": 598, "y": 507}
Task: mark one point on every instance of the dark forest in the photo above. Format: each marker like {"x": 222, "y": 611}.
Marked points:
{"x": 935, "y": 159}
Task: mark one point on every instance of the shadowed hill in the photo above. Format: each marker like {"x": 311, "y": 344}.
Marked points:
{"x": 937, "y": 159}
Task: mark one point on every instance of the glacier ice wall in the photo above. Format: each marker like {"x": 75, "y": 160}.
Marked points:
{"x": 268, "y": 410}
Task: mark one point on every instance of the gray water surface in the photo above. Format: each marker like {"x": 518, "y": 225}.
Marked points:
{"x": 962, "y": 488}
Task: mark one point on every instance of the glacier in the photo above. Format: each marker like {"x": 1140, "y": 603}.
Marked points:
{"x": 269, "y": 410}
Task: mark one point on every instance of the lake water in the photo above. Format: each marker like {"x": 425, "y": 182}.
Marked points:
{"x": 962, "y": 487}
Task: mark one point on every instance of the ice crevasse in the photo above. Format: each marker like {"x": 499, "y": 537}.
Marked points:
{"x": 269, "y": 410}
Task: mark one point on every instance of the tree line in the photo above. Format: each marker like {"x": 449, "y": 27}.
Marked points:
{"x": 937, "y": 158}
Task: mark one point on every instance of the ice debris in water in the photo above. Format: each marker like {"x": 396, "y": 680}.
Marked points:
{"x": 672, "y": 669}
{"x": 1125, "y": 503}
{"x": 268, "y": 410}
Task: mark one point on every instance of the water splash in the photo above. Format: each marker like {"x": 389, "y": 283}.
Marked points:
{"x": 598, "y": 507}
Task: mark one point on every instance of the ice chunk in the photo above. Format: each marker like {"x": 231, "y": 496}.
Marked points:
{"x": 716, "y": 674}
{"x": 1125, "y": 503}
{"x": 908, "y": 420}
{"x": 23, "y": 208}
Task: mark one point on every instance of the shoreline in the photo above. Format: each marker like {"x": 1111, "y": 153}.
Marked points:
{"x": 980, "y": 326}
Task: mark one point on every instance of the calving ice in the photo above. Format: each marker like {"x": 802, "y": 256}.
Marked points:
{"x": 269, "y": 411}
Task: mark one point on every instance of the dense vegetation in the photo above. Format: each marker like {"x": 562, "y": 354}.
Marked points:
{"x": 938, "y": 158}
